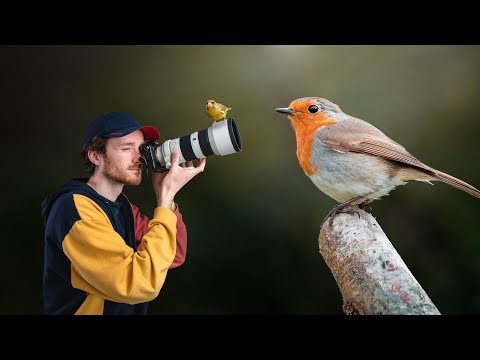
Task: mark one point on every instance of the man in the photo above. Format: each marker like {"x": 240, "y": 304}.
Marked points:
{"x": 102, "y": 256}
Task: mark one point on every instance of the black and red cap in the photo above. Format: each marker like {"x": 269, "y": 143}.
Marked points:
{"x": 117, "y": 124}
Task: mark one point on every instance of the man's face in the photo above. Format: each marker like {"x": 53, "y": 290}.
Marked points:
{"x": 121, "y": 162}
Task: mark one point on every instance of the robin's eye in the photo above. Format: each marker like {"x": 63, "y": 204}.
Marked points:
{"x": 313, "y": 109}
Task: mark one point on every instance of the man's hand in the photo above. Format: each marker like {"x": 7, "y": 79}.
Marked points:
{"x": 166, "y": 184}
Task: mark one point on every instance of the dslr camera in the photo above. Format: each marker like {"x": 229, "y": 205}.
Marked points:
{"x": 222, "y": 138}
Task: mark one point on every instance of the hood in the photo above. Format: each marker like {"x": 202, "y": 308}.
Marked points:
{"x": 78, "y": 185}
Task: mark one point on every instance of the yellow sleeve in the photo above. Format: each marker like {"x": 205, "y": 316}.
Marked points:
{"x": 103, "y": 265}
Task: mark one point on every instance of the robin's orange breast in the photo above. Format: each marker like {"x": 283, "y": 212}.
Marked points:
{"x": 305, "y": 136}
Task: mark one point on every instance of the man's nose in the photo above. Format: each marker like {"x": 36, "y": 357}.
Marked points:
{"x": 137, "y": 155}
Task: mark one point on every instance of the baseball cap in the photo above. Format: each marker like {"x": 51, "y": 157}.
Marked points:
{"x": 116, "y": 124}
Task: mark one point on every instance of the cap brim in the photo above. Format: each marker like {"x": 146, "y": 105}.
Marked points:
{"x": 150, "y": 133}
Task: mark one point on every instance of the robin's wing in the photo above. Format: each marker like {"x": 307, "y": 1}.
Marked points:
{"x": 355, "y": 135}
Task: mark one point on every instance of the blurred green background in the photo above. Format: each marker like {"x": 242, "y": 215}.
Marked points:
{"x": 253, "y": 217}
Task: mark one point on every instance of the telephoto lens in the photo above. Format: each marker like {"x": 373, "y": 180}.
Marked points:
{"x": 222, "y": 138}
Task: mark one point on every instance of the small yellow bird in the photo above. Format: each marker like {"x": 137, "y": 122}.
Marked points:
{"x": 216, "y": 111}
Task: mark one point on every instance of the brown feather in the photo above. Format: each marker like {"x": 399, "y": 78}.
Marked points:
{"x": 459, "y": 184}
{"x": 389, "y": 151}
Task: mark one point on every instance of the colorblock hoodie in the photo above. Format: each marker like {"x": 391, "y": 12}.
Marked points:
{"x": 104, "y": 257}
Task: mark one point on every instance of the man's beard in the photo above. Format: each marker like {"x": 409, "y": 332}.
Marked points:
{"x": 114, "y": 173}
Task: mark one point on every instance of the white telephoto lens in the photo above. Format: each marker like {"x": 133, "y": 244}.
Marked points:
{"x": 222, "y": 143}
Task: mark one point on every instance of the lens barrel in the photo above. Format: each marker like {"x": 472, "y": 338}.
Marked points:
{"x": 222, "y": 138}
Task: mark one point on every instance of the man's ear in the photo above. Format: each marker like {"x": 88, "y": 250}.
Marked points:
{"x": 94, "y": 157}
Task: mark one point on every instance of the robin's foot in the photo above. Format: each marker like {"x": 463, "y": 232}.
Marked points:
{"x": 364, "y": 205}
{"x": 341, "y": 208}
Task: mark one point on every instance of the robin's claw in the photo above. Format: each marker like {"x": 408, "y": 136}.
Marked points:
{"x": 341, "y": 208}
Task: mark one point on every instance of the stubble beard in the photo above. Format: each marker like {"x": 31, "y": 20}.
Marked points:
{"x": 116, "y": 174}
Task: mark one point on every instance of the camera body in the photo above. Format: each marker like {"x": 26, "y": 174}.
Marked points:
{"x": 222, "y": 138}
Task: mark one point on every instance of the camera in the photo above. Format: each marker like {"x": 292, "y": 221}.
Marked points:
{"x": 222, "y": 138}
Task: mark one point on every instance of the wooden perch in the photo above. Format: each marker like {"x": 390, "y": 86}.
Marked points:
{"x": 371, "y": 276}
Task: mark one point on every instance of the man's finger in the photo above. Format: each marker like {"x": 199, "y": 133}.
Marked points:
{"x": 175, "y": 158}
{"x": 201, "y": 164}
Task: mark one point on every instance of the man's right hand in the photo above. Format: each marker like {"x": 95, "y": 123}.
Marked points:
{"x": 167, "y": 184}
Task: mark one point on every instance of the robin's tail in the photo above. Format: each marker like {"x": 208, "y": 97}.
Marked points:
{"x": 453, "y": 181}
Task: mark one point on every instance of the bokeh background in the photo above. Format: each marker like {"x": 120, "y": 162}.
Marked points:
{"x": 253, "y": 217}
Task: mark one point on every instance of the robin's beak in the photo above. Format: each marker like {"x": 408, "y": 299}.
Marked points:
{"x": 285, "y": 111}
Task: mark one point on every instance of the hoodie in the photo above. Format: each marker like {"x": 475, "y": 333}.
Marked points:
{"x": 104, "y": 257}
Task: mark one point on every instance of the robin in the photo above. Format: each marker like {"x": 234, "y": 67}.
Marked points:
{"x": 351, "y": 160}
